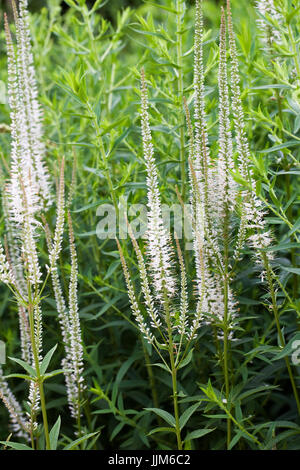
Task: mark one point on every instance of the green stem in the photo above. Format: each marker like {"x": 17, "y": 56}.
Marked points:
{"x": 287, "y": 178}
{"x": 130, "y": 421}
{"x": 232, "y": 418}
{"x": 225, "y": 358}
{"x": 38, "y": 375}
{"x": 293, "y": 253}
{"x": 282, "y": 216}
{"x": 226, "y": 238}
{"x": 151, "y": 379}
{"x": 110, "y": 94}
{"x": 173, "y": 373}
{"x": 104, "y": 159}
{"x": 179, "y": 5}
{"x": 280, "y": 335}
{"x": 175, "y": 400}
{"x": 32, "y": 438}
{"x": 44, "y": 412}
{"x": 295, "y": 51}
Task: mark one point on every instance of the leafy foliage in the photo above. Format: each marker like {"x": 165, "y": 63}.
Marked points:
{"x": 88, "y": 73}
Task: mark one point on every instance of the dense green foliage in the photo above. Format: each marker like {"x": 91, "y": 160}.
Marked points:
{"x": 88, "y": 73}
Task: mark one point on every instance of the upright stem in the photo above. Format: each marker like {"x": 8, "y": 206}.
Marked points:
{"x": 174, "y": 373}
{"x": 295, "y": 51}
{"x": 38, "y": 374}
{"x": 287, "y": 176}
{"x": 297, "y": 65}
{"x": 280, "y": 335}
{"x": 32, "y": 438}
{"x": 175, "y": 401}
{"x": 225, "y": 353}
{"x": 290, "y": 217}
{"x": 79, "y": 418}
{"x": 110, "y": 95}
{"x": 151, "y": 378}
{"x": 226, "y": 236}
{"x": 44, "y": 412}
{"x": 179, "y": 6}
{"x": 104, "y": 159}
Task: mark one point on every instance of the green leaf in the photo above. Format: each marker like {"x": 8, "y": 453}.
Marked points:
{"x": 53, "y": 374}
{"x": 85, "y": 208}
{"x": 106, "y": 306}
{"x": 120, "y": 139}
{"x": 297, "y": 124}
{"x": 117, "y": 429}
{"x": 295, "y": 228}
{"x": 121, "y": 373}
{"x": 71, "y": 3}
{"x": 255, "y": 391}
{"x": 198, "y": 433}
{"x": 54, "y": 433}
{"x": 47, "y": 359}
{"x": 16, "y": 445}
{"x": 79, "y": 441}
{"x": 235, "y": 439}
{"x": 187, "y": 360}
{"x": 291, "y": 15}
{"x": 290, "y": 269}
{"x": 288, "y": 349}
{"x": 20, "y": 376}
{"x": 288, "y": 144}
{"x": 270, "y": 86}
{"x": 162, "y": 7}
{"x": 164, "y": 415}
{"x": 162, "y": 366}
{"x": 103, "y": 412}
{"x": 97, "y": 5}
{"x": 25, "y": 366}
{"x": 161, "y": 429}
{"x": 283, "y": 435}
{"x": 290, "y": 172}
{"x": 217, "y": 416}
{"x": 283, "y": 246}
{"x": 187, "y": 414}
{"x": 112, "y": 268}
{"x": 150, "y": 33}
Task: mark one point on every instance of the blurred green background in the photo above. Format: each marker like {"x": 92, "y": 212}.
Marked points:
{"x": 109, "y": 9}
